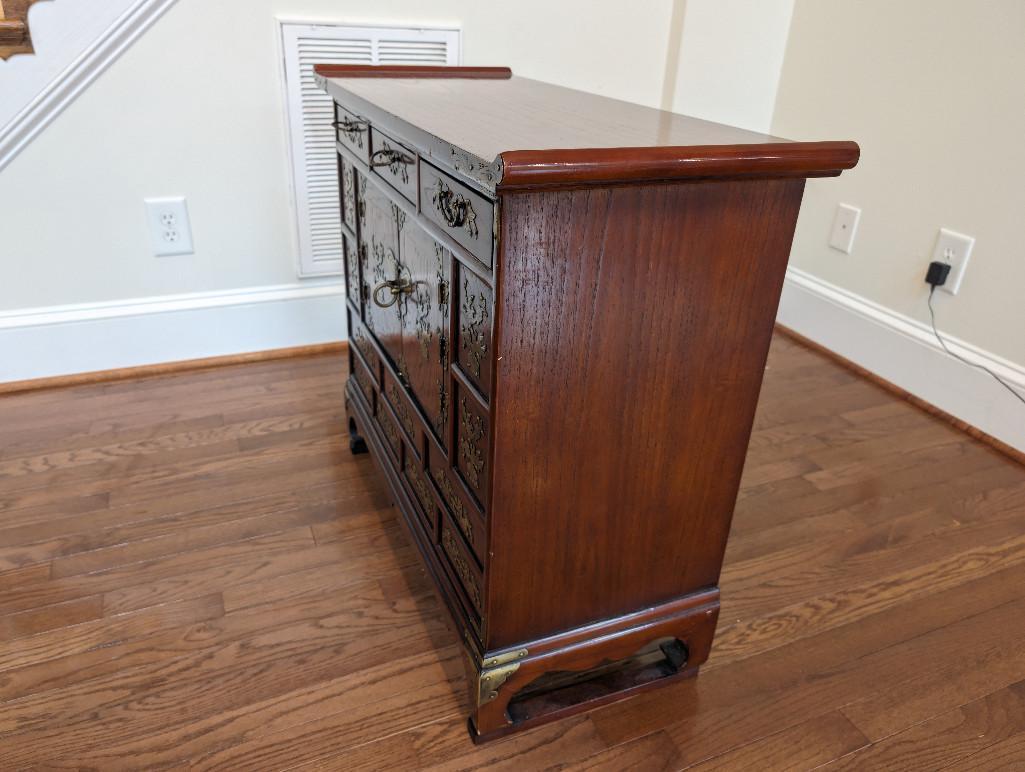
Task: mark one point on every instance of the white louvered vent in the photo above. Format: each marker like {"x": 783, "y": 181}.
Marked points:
{"x": 314, "y": 167}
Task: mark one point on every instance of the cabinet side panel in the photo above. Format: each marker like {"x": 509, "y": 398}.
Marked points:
{"x": 632, "y": 331}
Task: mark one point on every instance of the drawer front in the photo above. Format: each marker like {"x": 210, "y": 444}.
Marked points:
{"x": 423, "y": 501}
{"x": 463, "y": 214}
{"x": 472, "y": 445}
{"x": 390, "y": 429}
{"x": 475, "y": 314}
{"x": 353, "y": 132}
{"x": 361, "y": 340}
{"x": 403, "y": 411}
{"x": 461, "y": 510}
{"x": 395, "y": 163}
{"x": 365, "y": 382}
{"x": 464, "y": 567}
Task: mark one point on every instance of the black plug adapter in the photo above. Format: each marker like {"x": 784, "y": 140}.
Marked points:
{"x": 937, "y": 273}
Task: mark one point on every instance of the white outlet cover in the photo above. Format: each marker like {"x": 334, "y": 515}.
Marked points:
{"x": 955, "y": 249}
{"x": 845, "y": 226}
{"x": 169, "y": 229}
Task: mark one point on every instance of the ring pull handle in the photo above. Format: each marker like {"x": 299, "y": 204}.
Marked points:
{"x": 456, "y": 210}
{"x": 389, "y": 157}
{"x": 394, "y": 287}
{"x": 349, "y": 127}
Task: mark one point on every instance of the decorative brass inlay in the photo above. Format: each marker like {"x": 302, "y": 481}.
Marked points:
{"x": 364, "y": 386}
{"x": 348, "y": 195}
{"x": 424, "y": 332}
{"x": 455, "y": 209}
{"x": 388, "y": 426}
{"x": 398, "y": 215}
{"x": 469, "y": 448}
{"x": 397, "y": 162}
{"x": 462, "y": 568}
{"x": 442, "y": 408}
{"x": 419, "y": 486}
{"x": 400, "y": 408}
{"x": 472, "y": 339}
{"x": 353, "y": 130}
{"x": 495, "y": 672}
{"x": 455, "y": 504}
{"x": 352, "y": 272}
{"x": 364, "y": 346}
{"x": 361, "y": 205}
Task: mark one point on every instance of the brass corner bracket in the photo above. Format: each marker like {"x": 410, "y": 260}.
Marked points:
{"x": 495, "y": 671}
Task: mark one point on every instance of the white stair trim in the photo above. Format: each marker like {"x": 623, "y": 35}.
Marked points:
{"x": 76, "y": 77}
{"x": 86, "y": 337}
{"x": 905, "y": 352}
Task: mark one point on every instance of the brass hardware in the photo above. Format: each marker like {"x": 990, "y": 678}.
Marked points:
{"x": 395, "y": 160}
{"x": 473, "y": 341}
{"x": 495, "y": 672}
{"x": 472, "y": 432}
{"x": 456, "y": 209}
{"x": 353, "y": 130}
{"x": 396, "y": 287}
{"x": 455, "y": 504}
{"x": 448, "y": 541}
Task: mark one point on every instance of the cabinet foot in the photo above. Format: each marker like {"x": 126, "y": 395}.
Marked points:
{"x": 357, "y": 445}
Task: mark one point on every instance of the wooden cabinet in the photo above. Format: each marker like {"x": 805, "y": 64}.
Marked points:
{"x": 559, "y": 310}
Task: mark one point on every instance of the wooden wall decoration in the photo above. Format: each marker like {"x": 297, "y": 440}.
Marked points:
{"x": 14, "y": 32}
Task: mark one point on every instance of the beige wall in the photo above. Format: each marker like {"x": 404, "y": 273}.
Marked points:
{"x": 934, "y": 91}
{"x": 194, "y": 108}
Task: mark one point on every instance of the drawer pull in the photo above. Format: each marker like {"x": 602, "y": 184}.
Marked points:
{"x": 455, "y": 209}
{"x": 394, "y": 286}
{"x": 395, "y": 160}
{"x": 353, "y": 130}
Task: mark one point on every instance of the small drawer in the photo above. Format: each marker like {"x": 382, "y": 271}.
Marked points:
{"x": 353, "y": 132}
{"x": 465, "y": 568}
{"x": 389, "y": 428}
{"x": 463, "y": 214}
{"x": 394, "y": 162}
{"x": 403, "y": 410}
{"x": 459, "y": 506}
{"x": 423, "y": 501}
{"x": 365, "y": 383}
{"x": 472, "y": 448}
{"x": 475, "y": 316}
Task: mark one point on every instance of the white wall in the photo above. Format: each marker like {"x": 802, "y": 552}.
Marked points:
{"x": 729, "y": 61}
{"x": 194, "y": 108}
{"x": 934, "y": 92}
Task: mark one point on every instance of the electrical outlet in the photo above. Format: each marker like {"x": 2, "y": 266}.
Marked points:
{"x": 954, "y": 249}
{"x": 845, "y": 225}
{"x": 169, "y": 228}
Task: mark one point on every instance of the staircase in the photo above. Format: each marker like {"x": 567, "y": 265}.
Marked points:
{"x": 14, "y": 34}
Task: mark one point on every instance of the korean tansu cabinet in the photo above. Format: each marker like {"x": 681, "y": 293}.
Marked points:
{"x": 559, "y": 308}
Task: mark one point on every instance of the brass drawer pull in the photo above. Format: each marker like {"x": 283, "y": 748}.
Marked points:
{"x": 395, "y": 160}
{"x": 353, "y": 130}
{"x": 396, "y": 287}
{"x": 455, "y": 209}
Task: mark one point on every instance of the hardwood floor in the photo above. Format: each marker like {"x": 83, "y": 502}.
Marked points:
{"x": 195, "y": 572}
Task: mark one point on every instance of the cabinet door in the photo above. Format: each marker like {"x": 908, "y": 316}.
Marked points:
{"x": 425, "y": 335}
{"x": 383, "y": 274}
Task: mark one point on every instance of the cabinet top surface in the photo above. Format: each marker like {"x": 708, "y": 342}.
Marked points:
{"x": 524, "y": 122}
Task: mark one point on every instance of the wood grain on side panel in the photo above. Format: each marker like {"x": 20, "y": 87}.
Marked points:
{"x": 633, "y": 325}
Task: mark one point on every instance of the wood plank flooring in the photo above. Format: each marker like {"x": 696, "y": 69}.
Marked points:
{"x": 195, "y": 573}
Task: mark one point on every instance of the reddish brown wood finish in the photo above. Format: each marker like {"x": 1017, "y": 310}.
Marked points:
{"x": 633, "y": 325}
{"x": 537, "y": 168}
{"x": 409, "y": 71}
{"x": 599, "y": 376}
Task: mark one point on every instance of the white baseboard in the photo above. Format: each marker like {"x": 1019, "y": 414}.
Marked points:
{"x": 905, "y": 352}
{"x": 65, "y": 340}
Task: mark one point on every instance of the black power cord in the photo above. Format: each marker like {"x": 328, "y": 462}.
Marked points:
{"x": 941, "y": 275}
